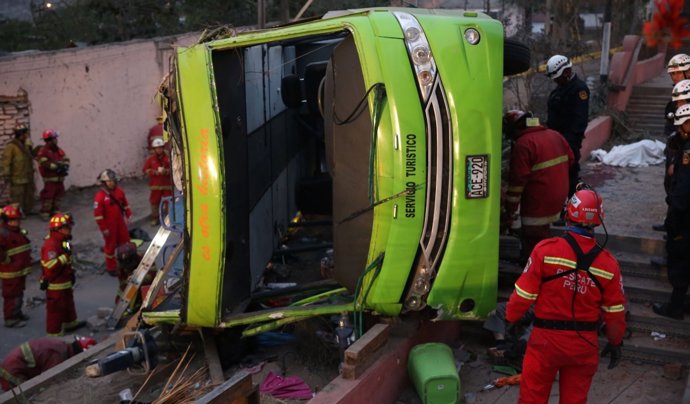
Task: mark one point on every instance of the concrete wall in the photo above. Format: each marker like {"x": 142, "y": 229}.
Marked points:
{"x": 100, "y": 99}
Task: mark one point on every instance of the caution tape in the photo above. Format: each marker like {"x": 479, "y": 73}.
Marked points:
{"x": 575, "y": 60}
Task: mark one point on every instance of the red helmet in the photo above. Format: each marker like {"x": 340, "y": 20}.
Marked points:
{"x": 49, "y": 134}
{"x": 585, "y": 208}
{"x": 60, "y": 220}
{"x": 11, "y": 212}
{"x": 85, "y": 342}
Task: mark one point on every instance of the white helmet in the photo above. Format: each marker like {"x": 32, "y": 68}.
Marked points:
{"x": 107, "y": 175}
{"x": 556, "y": 65}
{"x": 157, "y": 142}
{"x": 678, "y": 63}
{"x": 681, "y": 91}
{"x": 682, "y": 114}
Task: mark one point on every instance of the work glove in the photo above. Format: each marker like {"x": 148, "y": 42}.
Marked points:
{"x": 105, "y": 233}
{"x": 43, "y": 284}
{"x": 615, "y": 351}
{"x": 73, "y": 278}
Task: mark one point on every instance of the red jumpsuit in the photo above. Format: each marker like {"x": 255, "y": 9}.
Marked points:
{"x": 559, "y": 348}
{"x": 110, "y": 208}
{"x": 540, "y": 160}
{"x": 31, "y": 359}
{"x": 157, "y": 167}
{"x": 50, "y": 159}
{"x": 56, "y": 260}
{"x": 15, "y": 265}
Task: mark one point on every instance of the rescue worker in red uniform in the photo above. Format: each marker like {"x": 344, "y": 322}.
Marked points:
{"x": 53, "y": 166}
{"x": 571, "y": 281}
{"x": 112, "y": 213}
{"x": 157, "y": 131}
{"x": 157, "y": 167}
{"x": 15, "y": 265}
{"x": 34, "y": 357}
{"x": 540, "y": 161}
{"x": 58, "y": 277}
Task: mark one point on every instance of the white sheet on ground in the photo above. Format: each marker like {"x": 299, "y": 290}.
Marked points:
{"x": 641, "y": 154}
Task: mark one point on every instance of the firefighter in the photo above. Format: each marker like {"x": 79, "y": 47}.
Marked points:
{"x": 678, "y": 69}
{"x": 18, "y": 169}
{"x": 157, "y": 131}
{"x": 538, "y": 180}
{"x": 157, "y": 167}
{"x": 53, "y": 166}
{"x": 15, "y": 265}
{"x": 678, "y": 223}
{"x": 568, "y": 109}
{"x": 34, "y": 357}
{"x": 111, "y": 211}
{"x": 571, "y": 281}
{"x": 58, "y": 277}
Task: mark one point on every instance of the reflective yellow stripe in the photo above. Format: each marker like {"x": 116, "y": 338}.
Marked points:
{"x": 28, "y": 355}
{"x": 16, "y": 274}
{"x": 49, "y": 264}
{"x": 516, "y": 189}
{"x": 59, "y": 286}
{"x": 601, "y": 273}
{"x": 539, "y": 221}
{"x": 613, "y": 309}
{"x": 510, "y": 198}
{"x": 20, "y": 249}
{"x": 550, "y": 163}
{"x": 43, "y": 159}
{"x": 560, "y": 261}
{"x": 64, "y": 259}
{"x": 109, "y": 256}
{"x": 59, "y": 334}
{"x": 53, "y": 179}
{"x": 160, "y": 187}
{"x": 98, "y": 217}
{"x": 11, "y": 379}
{"x": 571, "y": 264}
{"x": 525, "y": 295}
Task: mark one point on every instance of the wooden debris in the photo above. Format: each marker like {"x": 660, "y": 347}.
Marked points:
{"x": 239, "y": 389}
{"x": 360, "y": 355}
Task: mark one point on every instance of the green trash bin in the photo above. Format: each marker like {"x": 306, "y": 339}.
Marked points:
{"x": 431, "y": 368}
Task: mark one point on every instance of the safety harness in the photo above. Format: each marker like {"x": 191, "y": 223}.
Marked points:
{"x": 584, "y": 262}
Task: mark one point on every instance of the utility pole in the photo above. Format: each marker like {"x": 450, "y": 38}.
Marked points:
{"x": 284, "y": 11}
{"x": 605, "y": 44}
{"x": 261, "y": 13}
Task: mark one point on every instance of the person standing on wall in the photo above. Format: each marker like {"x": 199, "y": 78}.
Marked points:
{"x": 572, "y": 281}
{"x": 157, "y": 167}
{"x": 568, "y": 110}
{"x": 15, "y": 265}
{"x": 18, "y": 169}
{"x": 111, "y": 212}
{"x": 58, "y": 277}
{"x": 538, "y": 180}
{"x": 53, "y": 166}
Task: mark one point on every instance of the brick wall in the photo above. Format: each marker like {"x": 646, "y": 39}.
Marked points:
{"x": 14, "y": 110}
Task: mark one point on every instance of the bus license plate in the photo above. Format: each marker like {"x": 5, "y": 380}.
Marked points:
{"x": 477, "y": 181}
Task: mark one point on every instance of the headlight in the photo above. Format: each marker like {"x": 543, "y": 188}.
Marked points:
{"x": 472, "y": 36}
{"x": 420, "y": 52}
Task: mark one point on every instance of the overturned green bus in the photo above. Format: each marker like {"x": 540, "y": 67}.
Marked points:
{"x": 385, "y": 120}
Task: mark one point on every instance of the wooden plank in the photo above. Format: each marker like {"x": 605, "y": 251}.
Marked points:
{"x": 237, "y": 387}
{"x": 212, "y": 360}
{"x": 370, "y": 342}
{"x": 32, "y": 385}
